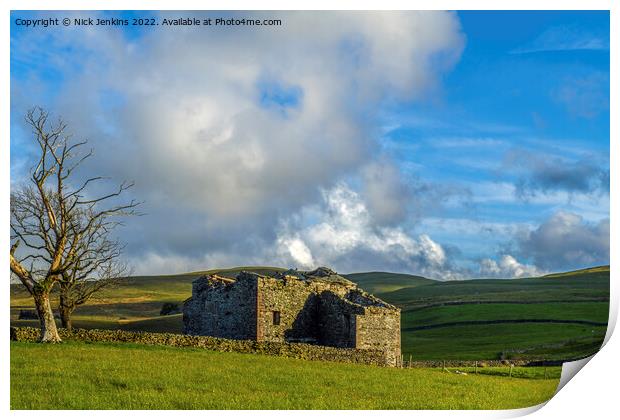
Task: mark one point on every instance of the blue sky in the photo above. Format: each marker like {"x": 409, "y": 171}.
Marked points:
{"x": 453, "y": 145}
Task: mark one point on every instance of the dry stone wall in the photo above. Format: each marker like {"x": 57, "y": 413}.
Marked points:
{"x": 292, "y": 350}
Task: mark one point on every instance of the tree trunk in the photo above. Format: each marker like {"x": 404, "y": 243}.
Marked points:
{"x": 66, "y": 307}
{"x": 65, "y": 317}
{"x": 49, "y": 333}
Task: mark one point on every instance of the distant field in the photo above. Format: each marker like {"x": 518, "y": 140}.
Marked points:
{"x": 599, "y": 269}
{"x": 582, "y": 286}
{"x": 381, "y": 282}
{"x": 489, "y": 342}
{"x": 582, "y": 295}
{"x": 588, "y": 311}
{"x": 75, "y": 375}
{"x": 137, "y": 299}
{"x": 143, "y": 293}
{"x": 552, "y": 341}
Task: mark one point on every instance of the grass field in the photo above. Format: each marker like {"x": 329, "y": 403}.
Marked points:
{"x": 381, "y": 282}
{"x": 584, "y": 285}
{"x": 581, "y": 295}
{"x": 586, "y": 311}
{"x": 75, "y": 375}
{"x": 488, "y": 342}
{"x": 533, "y": 340}
{"x": 572, "y": 298}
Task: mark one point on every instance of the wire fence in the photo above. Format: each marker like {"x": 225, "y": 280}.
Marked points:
{"x": 530, "y": 369}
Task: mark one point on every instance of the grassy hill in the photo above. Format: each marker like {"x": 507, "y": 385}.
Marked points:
{"x": 592, "y": 270}
{"x": 560, "y": 316}
{"x": 583, "y": 285}
{"x": 382, "y": 282}
{"x": 556, "y": 317}
{"x": 130, "y": 376}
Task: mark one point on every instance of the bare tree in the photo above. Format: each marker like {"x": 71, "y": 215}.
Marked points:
{"x": 97, "y": 266}
{"x": 51, "y": 216}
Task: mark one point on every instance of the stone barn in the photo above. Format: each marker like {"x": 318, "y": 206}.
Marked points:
{"x": 316, "y": 307}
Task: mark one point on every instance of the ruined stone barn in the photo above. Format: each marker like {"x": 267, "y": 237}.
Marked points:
{"x": 316, "y": 307}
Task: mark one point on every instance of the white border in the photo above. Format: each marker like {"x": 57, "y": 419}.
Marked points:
{"x": 591, "y": 393}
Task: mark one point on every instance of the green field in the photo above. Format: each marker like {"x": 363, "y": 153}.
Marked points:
{"x": 572, "y": 298}
{"x": 566, "y": 301}
{"x": 381, "y": 282}
{"x": 584, "y": 285}
{"x": 586, "y": 311}
{"x": 531, "y": 340}
{"x": 489, "y": 342}
{"x": 75, "y": 375}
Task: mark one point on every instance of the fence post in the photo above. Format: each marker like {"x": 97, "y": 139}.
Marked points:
{"x": 476, "y": 368}
{"x": 545, "y": 371}
{"x": 410, "y": 357}
{"x": 510, "y": 374}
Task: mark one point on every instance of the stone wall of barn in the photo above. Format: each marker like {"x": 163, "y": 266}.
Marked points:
{"x": 221, "y": 308}
{"x": 287, "y": 310}
{"x": 379, "y": 328}
{"x": 337, "y": 320}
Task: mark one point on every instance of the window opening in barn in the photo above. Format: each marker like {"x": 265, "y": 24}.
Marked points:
{"x": 276, "y": 317}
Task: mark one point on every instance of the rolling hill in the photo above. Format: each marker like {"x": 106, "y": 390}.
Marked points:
{"x": 381, "y": 282}
{"x": 557, "y": 317}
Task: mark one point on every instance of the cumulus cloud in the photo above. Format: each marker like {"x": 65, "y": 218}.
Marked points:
{"x": 297, "y": 250}
{"x": 566, "y": 240}
{"x": 342, "y": 233}
{"x": 562, "y": 242}
{"x": 386, "y": 192}
{"x": 536, "y": 173}
{"x": 226, "y": 131}
{"x": 193, "y": 122}
{"x": 507, "y": 267}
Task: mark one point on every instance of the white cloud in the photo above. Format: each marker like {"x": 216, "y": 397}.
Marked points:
{"x": 567, "y": 240}
{"x": 180, "y": 113}
{"x": 341, "y": 233}
{"x": 564, "y": 38}
{"x": 592, "y": 206}
{"x": 507, "y": 267}
{"x": 297, "y": 250}
{"x": 562, "y": 242}
{"x": 467, "y": 142}
{"x": 386, "y": 192}
{"x": 191, "y": 127}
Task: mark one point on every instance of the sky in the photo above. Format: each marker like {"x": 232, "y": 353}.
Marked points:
{"x": 446, "y": 144}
